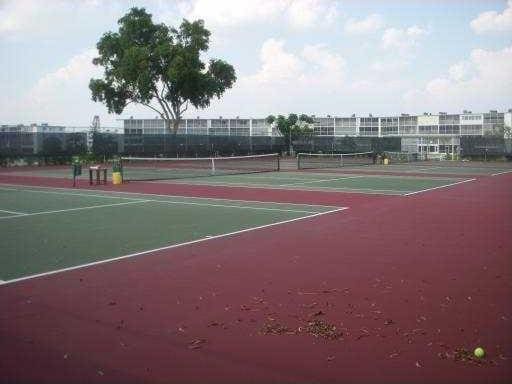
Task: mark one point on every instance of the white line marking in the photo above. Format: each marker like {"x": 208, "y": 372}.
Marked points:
{"x": 12, "y": 212}
{"x": 62, "y": 193}
{"x": 114, "y": 193}
{"x": 72, "y": 209}
{"x": 207, "y": 238}
{"x": 231, "y": 206}
{"x": 501, "y": 173}
{"x": 320, "y": 181}
{"x": 439, "y": 187}
{"x": 306, "y": 188}
{"x": 408, "y": 177}
{"x": 162, "y": 202}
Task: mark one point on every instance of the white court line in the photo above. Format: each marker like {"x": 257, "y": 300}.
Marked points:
{"x": 306, "y": 188}
{"x": 72, "y": 209}
{"x": 171, "y": 246}
{"x": 12, "y": 212}
{"x": 159, "y": 201}
{"x": 114, "y": 194}
{"x": 231, "y": 206}
{"x": 501, "y": 173}
{"x": 439, "y": 187}
{"x": 320, "y": 181}
{"x": 64, "y": 193}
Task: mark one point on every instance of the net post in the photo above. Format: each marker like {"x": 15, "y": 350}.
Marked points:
{"x": 213, "y": 166}
{"x": 278, "y": 163}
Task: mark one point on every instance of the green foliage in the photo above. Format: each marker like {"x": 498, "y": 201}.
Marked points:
{"x": 158, "y": 67}
{"x": 293, "y": 127}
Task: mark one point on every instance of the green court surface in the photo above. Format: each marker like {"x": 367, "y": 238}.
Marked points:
{"x": 45, "y": 229}
{"x": 448, "y": 168}
{"x": 382, "y": 184}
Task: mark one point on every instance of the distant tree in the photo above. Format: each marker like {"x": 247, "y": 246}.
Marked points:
{"x": 158, "y": 67}
{"x": 293, "y": 127}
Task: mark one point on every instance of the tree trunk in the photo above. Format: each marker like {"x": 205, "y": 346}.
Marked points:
{"x": 175, "y": 126}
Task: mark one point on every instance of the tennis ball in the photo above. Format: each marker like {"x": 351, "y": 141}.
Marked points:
{"x": 479, "y": 352}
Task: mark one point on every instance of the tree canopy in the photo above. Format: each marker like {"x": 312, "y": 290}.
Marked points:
{"x": 158, "y": 67}
{"x": 293, "y": 127}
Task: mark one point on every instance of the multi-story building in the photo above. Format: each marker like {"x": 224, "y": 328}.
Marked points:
{"x": 207, "y": 127}
{"x": 34, "y": 138}
{"x": 428, "y": 133}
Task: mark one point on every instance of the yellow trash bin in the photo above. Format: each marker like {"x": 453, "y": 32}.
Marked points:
{"x": 386, "y": 161}
{"x": 117, "y": 178}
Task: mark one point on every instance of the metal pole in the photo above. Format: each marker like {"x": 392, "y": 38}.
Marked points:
{"x": 290, "y": 142}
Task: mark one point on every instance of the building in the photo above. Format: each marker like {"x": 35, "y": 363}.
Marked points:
{"x": 35, "y": 138}
{"x": 433, "y": 134}
{"x": 207, "y": 127}
{"x": 428, "y": 133}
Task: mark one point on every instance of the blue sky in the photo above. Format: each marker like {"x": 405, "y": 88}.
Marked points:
{"x": 304, "y": 56}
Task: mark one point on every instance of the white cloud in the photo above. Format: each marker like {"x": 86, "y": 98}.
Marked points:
{"x": 229, "y": 13}
{"x": 36, "y": 18}
{"x": 478, "y": 83}
{"x": 61, "y": 96}
{"x": 234, "y": 12}
{"x": 315, "y": 65}
{"x": 493, "y": 21}
{"x": 370, "y": 24}
{"x": 77, "y": 71}
{"x": 460, "y": 71}
{"x": 311, "y": 13}
{"x": 386, "y": 65}
{"x": 402, "y": 40}
{"x": 314, "y": 79}
{"x": 277, "y": 65}
{"x": 328, "y": 69}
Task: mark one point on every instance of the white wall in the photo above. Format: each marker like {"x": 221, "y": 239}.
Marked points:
{"x": 480, "y": 119}
{"x": 428, "y": 120}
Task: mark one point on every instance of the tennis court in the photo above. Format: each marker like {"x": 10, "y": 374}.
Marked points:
{"x": 265, "y": 173}
{"x": 447, "y": 168}
{"x": 261, "y": 275}
{"x": 75, "y": 228}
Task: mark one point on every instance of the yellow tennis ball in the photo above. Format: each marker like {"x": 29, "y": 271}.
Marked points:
{"x": 479, "y": 352}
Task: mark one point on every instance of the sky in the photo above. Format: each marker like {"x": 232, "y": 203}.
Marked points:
{"x": 317, "y": 57}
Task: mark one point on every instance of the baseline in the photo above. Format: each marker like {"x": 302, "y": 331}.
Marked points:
{"x": 438, "y": 187}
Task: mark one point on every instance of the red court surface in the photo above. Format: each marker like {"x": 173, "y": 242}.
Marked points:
{"x": 409, "y": 283}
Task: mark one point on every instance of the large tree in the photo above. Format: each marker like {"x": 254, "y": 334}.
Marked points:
{"x": 158, "y": 67}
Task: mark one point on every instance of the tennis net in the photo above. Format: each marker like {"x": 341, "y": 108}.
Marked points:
{"x": 157, "y": 168}
{"x": 335, "y": 160}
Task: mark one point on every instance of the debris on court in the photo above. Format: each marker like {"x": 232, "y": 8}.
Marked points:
{"x": 196, "y": 344}
{"x": 463, "y": 355}
{"x": 274, "y": 328}
{"x": 321, "y": 328}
